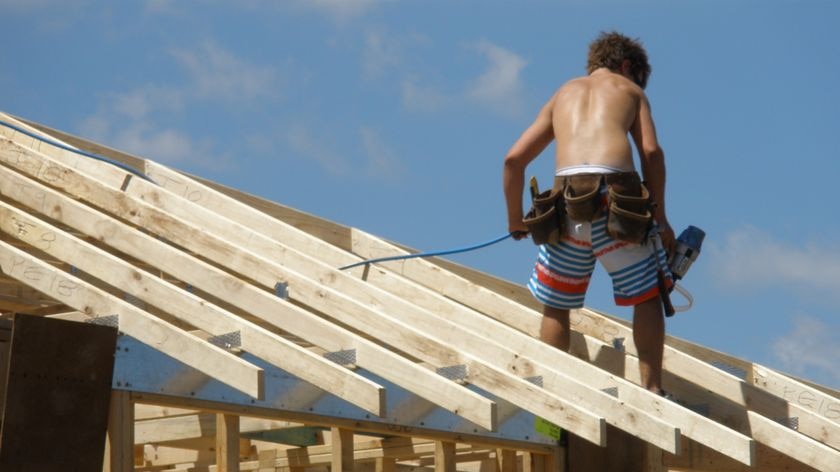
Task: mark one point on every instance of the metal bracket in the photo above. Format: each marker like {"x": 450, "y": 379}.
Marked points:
{"x": 701, "y": 409}
{"x": 134, "y": 301}
{"x": 230, "y": 340}
{"x": 731, "y": 369}
{"x": 611, "y": 391}
{"x": 345, "y": 358}
{"x": 791, "y": 422}
{"x": 458, "y": 373}
{"x": 281, "y": 289}
{"x": 536, "y": 380}
{"x": 108, "y": 320}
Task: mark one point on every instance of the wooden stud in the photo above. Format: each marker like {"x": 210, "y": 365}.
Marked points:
{"x": 505, "y": 460}
{"x": 227, "y": 443}
{"x": 653, "y": 459}
{"x": 121, "y": 432}
{"x": 342, "y": 450}
{"x": 556, "y": 460}
{"x": 385, "y": 464}
{"x": 445, "y": 456}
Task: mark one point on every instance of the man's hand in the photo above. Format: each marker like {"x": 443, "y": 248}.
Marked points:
{"x": 518, "y": 231}
{"x": 669, "y": 241}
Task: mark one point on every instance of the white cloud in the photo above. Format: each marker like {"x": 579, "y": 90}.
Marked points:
{"x": 216, "y": 73}
{"x": 161, "y": 7}
{"x": 300, "y": 139}
{"x": 810, "y": 350}
{"x": 419, "y": 97}
{"x": 127, "y": 121}
{"x": 341, "y": 10}
{"x": 130, "y": 120}
{"x": 380, "y": 53}
{"x": 25, "y": 5}
{"x": 143, "y": 101}
{"x": 751, "y": 258}
{"x": 500, "y": 86}
{"x": 382, "y": 161}
{"x": 139, "y": 134}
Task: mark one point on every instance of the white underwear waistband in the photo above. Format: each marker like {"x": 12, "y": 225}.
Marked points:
{"x": 587, "y": 169}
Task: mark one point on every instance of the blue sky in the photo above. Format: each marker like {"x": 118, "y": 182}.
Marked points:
{"x": 394, "y": 116}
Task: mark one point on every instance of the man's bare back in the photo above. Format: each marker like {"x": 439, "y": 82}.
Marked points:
{"x": 591, "y": 117}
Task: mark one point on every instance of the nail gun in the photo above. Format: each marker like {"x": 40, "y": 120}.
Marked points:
{"x": 686, "y": 250}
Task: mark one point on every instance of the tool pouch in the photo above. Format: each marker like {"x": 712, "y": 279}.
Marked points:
{"x": 629, "y": 217}
{"x": 545, "y": 219}
{"x": 582, "y": 194}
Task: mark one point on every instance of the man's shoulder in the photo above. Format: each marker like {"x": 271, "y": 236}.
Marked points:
{"x": 574, "y": 84}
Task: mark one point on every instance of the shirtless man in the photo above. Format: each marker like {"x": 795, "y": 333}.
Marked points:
{"x": 590, "y": 118}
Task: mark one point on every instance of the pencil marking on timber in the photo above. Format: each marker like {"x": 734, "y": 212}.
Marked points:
{"x": 830, "y": 410}
{"x": 179, "y": 188}
{"x": 34, "y": 273}
{"x": 46, "y": 240}
{"x": 23, "y": 227}
{"x": 51, "y": 173}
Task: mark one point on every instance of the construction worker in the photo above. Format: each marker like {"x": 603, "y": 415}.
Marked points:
{"x": 590, "y": 118}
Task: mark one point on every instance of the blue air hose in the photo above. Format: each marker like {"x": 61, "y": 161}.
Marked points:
{"x": 77, "y": 151}
{"x": 427, "y": 254}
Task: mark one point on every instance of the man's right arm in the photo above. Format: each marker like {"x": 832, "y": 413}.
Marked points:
{"x": 532, "y": 142}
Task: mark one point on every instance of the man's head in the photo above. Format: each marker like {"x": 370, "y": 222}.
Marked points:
{"x": 620, "y": 54}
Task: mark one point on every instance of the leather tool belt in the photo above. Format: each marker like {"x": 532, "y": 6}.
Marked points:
{"x": 582, "y": 198}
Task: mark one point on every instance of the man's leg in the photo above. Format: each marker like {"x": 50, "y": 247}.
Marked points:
{"x": 649, "y": 337}
{"x": 554, "y": 329}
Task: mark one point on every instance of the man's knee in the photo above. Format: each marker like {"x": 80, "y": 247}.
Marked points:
{"x": 651, "y": 306}
{"x": 559, "y": 314}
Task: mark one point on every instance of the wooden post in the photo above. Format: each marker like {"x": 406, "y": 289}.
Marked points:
{"x": 556, "y": 461}
{"x": 444, "y": 456}
{"x": 533, "y": 462}
{"x": 385, "y": 464}
{"x": 121, "y": 432}
{"x": 653, "y": 459}
{"x": 267, "y": 460}
{"x": 505, "y": 460}
{"x": 227, "y": 443}
{"x": 342, "y": 449}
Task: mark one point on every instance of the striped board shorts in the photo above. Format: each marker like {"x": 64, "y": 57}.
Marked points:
{"x": 563, "y": 270}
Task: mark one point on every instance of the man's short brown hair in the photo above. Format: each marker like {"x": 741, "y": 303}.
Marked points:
{"x": 610, "y": 49}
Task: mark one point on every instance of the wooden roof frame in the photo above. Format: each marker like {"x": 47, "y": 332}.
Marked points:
{"x": 171, "y": 254}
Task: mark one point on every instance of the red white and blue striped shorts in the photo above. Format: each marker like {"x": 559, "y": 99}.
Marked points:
{"x": 562, "y": 272}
